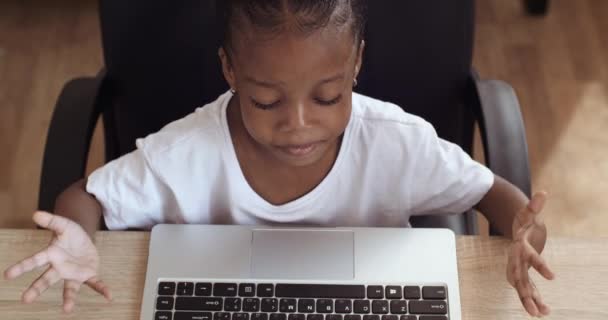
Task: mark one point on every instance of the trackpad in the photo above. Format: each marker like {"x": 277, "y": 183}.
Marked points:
{"x": 303, "y": 254}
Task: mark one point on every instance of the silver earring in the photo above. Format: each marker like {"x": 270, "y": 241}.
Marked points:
{"x": 232, "y": 91}
{"x": 355, "y": 82}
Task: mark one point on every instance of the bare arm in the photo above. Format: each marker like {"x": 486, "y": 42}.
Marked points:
{"x": 76, "y": 204}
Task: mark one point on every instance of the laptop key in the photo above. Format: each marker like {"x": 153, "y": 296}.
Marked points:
{"x": 352, "y": 317}
{"x": 287, "y": 305}
{"x": 411, "y": 292}
{"x": 306, "y": 305}
{"x": 247, "y": 289}
{"x": 184, "y": 315}
{"x": 251, "y": 304}
{"x": 164, "y": 303}
{"x": 393, "y": 292}
{"x": 224, "y": 289}
{"x": 390, "y": 317}
{"x": 265, "y": 290}
{"x": 428, "y": 307}
{"x": 432, "y": 318}
{"x": 375, "y": 292}
{"x": 320, "y": 291}
{"x": 380, "y": 306}
{"x": 315, "y": 316}
{"x": 202, "y": 289}
{"x": 198, "y": 304}
{"x": 297, "y": 316}
{"x": 221, "y": 316}
{"x": 270, "y": 305}
{"x": 278, "y": 316}
{"x": 344, "y": 306}
{"x": 333, "y": 317}
{"x": 185, "y": 288}
{"x": 409, "y": 317}
{"x": 399, "y": 307}
{"x": 232, "y": 304}
{"x": 163, "y": 315}
{"x": 371, "y": 317}
{"x": 259, "y": 316}
{"x": 361, "y": 306}
{"x": 325, "y": 306}
{"x": 240, "y": 316}
{"x": 432, "y": 292}
{"x": 166, "y": 288}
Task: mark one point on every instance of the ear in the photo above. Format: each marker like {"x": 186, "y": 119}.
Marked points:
{"x": 359, "y": 61}
{"x": 227, "y": 68}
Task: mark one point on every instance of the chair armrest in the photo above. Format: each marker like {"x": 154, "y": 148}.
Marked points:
{"x": 69, "y": 137}
{"x": 502, "y": 132}
{"x": 537, "y": 7}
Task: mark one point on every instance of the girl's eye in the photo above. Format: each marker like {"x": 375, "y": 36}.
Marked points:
{"x": 265, "y": 106}
{"x": 330, "y": 102}
{"x": 274, "y": 104}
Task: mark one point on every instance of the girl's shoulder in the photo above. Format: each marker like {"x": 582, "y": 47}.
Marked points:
{"x": 377, "y": 115}
{"x": 201, "y": 130}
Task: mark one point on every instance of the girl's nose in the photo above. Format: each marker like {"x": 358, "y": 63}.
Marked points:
{"x": 296, "y": 117}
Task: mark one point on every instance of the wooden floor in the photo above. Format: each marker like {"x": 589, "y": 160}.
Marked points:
{"x": 558, "y": 65}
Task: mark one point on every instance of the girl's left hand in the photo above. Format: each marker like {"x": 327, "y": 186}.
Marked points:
{"x": 528, "y": 228}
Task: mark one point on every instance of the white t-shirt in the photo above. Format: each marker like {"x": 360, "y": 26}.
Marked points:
{"x": 391, "y": 165}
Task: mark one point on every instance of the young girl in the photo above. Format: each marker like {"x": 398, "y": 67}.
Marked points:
{"x": 289, "y": 143}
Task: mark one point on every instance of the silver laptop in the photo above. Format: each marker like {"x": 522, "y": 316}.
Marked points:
{"x": 209, "y": 272}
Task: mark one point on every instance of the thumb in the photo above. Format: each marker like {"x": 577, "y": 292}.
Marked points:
{"x": 52, "y": 222}
{"x": 530, "y": 213}
{"x": 536, "y": 204}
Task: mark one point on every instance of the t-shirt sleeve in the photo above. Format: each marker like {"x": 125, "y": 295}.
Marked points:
{"x": 129, "y": 191}
{"x": 445, "y": 178}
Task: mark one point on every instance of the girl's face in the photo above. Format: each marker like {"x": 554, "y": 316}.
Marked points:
{"x": 294, "y": 92}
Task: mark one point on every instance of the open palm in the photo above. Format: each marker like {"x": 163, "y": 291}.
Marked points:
{"x": 523, "y": 256}
{"x": 71, "y": 256}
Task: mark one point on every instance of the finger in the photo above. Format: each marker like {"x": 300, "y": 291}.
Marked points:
{"x": 52, "y": 222}
{"x": 530, "y": 306}
{"x": 542, "y": 307}
{"x": 28, "y": 264}
{"x": 99, "y": 286}
{"x": 525, "y": 289}
{"x": 514, "y": 272}
{"x": 525, "y": 295}
{"x": 541, "y": 266}
{"x": 70, "y": 291}
{"x": 39, "y": 286}
{"x": 537, "y": 202}
{"x": 515, "y": 265}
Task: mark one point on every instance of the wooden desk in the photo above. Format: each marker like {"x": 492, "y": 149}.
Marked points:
{"x": 580, "y": 290}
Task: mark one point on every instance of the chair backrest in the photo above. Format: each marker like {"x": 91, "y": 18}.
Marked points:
{"x": 418, "y": 55}
{"x": 161, "y": 62}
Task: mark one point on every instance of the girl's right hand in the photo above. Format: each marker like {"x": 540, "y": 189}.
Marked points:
{"x": 71, "y": 256}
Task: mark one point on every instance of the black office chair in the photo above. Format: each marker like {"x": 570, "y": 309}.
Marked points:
{"x": 161, "y": 63}
{"x": 537, "y": 7}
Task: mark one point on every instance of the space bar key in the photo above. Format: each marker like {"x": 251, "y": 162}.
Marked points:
{"x": 320, "y": 291}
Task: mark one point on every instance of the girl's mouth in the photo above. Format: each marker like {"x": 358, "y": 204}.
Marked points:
{"x": 299, "y": 150}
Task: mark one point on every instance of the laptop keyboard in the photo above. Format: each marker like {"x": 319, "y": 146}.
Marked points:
{"x": 266, "y": 301}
